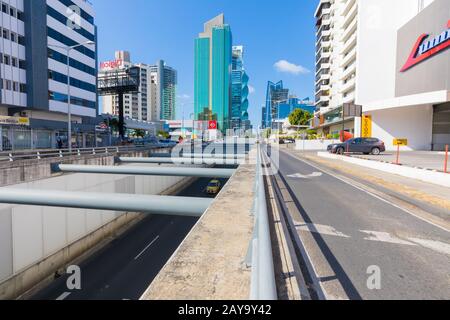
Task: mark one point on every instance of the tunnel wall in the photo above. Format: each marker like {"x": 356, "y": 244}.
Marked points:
{"x": 36, "y": 241}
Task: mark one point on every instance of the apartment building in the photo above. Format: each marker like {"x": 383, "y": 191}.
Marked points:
{"x": 156, "y": 99}
{"x": 35, "y": 35}
{"x": 356, "y": 56}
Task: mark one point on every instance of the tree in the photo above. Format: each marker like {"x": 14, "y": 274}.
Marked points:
{"x": 163, "y": 134}
{"x": 139, "y": 133}
{"x": 300, "y": 117}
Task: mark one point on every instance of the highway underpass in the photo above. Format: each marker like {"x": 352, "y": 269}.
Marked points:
{"x": 125, "y": 267}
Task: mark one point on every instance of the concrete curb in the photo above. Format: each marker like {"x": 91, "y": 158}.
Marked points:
{"x": 426, "y": 175}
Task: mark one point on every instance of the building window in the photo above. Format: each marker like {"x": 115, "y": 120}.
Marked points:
{"x": 4, "y": 8}
{"x": 5, "y": 34}
{"x": 13, "y": 37}
{"x": 6, "y": 59}
{"x": 12, "y": 12}
{"x": 14, "y": 62}
{"x": 23, "y": 88}
{"x": 7, "y": 85}
{"x": 15, "y": 86}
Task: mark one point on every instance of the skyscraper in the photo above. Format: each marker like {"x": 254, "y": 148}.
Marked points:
{"x": 276, "y": 94}
{"x": 213, "y": 64}
{"x": 239, "y": 91}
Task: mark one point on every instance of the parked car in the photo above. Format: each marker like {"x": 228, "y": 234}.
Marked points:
{"x": 359, "y": 145}
{"x": 289, "y": 141}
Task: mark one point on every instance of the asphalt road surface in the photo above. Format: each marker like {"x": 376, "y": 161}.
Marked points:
{"x": 124, "y": 268}
{"x": 361, "y": 246}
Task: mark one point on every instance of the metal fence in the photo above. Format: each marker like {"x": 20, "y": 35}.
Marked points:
{"x": 260, "y": 255}
{"x": 15, "y": 138}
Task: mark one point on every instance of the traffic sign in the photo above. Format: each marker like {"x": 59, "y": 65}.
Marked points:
{"x": 212, "y": 125}
{"x": 401, "y": 142}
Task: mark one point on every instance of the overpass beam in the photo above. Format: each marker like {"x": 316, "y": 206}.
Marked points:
{"x": 199, "y": 161}
{"x": 162, "y": 205}
{"x": 152, "y": 171}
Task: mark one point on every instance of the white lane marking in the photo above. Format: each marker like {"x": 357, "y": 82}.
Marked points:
{"x": 146, "y": 248}
{"x": 385, "y": 237}
{"x": 433, "y": 245}
{"x": 368, "y": 192}
{"x": 63, "y": 296}
{"x": 321, "y": 229}
{"x": 307, "y": 176}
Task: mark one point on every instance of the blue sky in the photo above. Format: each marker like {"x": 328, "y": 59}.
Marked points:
{"x": 271, "y": 31}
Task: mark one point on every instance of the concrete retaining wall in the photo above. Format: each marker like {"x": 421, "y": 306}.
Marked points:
{"x": 438, "y": 178}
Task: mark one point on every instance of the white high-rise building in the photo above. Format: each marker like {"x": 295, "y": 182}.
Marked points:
{"x": 356, "y": 44}
{"x": 156, "y": 98}
{"x": 34, "y": 74}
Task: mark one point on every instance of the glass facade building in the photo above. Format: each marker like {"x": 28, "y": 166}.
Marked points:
{"x": 239, "y": 91}
{"x": 276, "y": 94}
{"x": 213, "y": 64}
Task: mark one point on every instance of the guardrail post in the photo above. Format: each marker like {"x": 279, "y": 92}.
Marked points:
{"x": 79, "y": 152}
{"x": 11, "y": 158}
{"x": 39, "y": 155}
{"x": 61, "y": 154}
{"x": 446, "y": 159}
{"x": 93, "y": 151}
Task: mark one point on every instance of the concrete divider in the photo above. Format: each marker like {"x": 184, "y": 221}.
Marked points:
{"x": 210, "y": 263}
{"x": 434, "y": 177}
{"x": 313, "y": 145}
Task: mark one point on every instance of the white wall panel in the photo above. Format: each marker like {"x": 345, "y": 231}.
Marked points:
{"x": 27, "y": 236}
{"x": 55, "y": 232}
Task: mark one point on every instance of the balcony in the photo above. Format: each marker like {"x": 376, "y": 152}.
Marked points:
{"x": 348, "y": 6}
{"x": 351, "y": 29}
{"x": 349, "y": 98}
{"x": 349, "y": 85}
{"x": 348, "y": 18}
{"x": 349, "y": 45}
{"x": 322, "y": 77}
{"x": 349, "y": 57}
{"x": 349, "y": 71}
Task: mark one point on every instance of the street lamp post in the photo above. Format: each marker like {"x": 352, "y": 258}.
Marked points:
{"x": 68, "y": 49}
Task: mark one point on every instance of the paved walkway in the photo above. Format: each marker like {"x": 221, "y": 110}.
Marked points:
{"x": 420, "y": 159}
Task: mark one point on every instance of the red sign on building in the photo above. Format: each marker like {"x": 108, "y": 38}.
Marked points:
{"x": 212, "y": 125}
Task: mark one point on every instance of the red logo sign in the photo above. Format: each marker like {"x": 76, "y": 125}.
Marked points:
{"x": 212, "y": 125}
{"x": 423, "y": 50}
{"x": 111, "y": 64}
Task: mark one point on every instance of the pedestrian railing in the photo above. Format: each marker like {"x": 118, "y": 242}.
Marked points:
{"x": 260, "y": 256}
{"x": 64, "y": 153}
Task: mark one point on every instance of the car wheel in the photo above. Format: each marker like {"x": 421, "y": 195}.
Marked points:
{"x": 340, "y": 151}
{"x": 376, "y": 151}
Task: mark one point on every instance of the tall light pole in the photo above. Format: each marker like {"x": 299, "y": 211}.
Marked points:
{"x": 68, "y": 49}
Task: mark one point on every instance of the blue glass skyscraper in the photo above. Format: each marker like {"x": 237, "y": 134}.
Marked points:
{"x": 276, "y": 94}
{"x": 239, "y": 91}
{"x": 213, "y": 64}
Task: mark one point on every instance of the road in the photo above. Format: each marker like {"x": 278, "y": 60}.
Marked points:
{"x": 124, "y": 268}
{"x": 361, "y": 246}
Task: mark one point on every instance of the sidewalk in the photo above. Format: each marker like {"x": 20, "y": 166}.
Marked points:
{"x": 416, "y": 159}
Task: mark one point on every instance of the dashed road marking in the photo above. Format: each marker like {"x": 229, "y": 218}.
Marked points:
{"x": 306, "y": 176}
{"x": 146, "y": 248}
{"x": 63, "y": 296}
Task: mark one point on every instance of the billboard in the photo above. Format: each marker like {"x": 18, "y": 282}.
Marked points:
{"x": 422, "y": 52}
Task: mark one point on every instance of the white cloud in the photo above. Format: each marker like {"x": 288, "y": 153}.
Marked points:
{"x": 288, "y": 67}
{"x": 251, "y": 89}
{"x": 184, "y": 96}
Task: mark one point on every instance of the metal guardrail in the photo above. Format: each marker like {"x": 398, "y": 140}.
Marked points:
{"x": 63, "y": 153}
{"x": 260, "y": 255}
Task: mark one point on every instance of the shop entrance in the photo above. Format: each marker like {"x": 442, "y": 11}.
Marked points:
{"x": 441, "y": 126}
